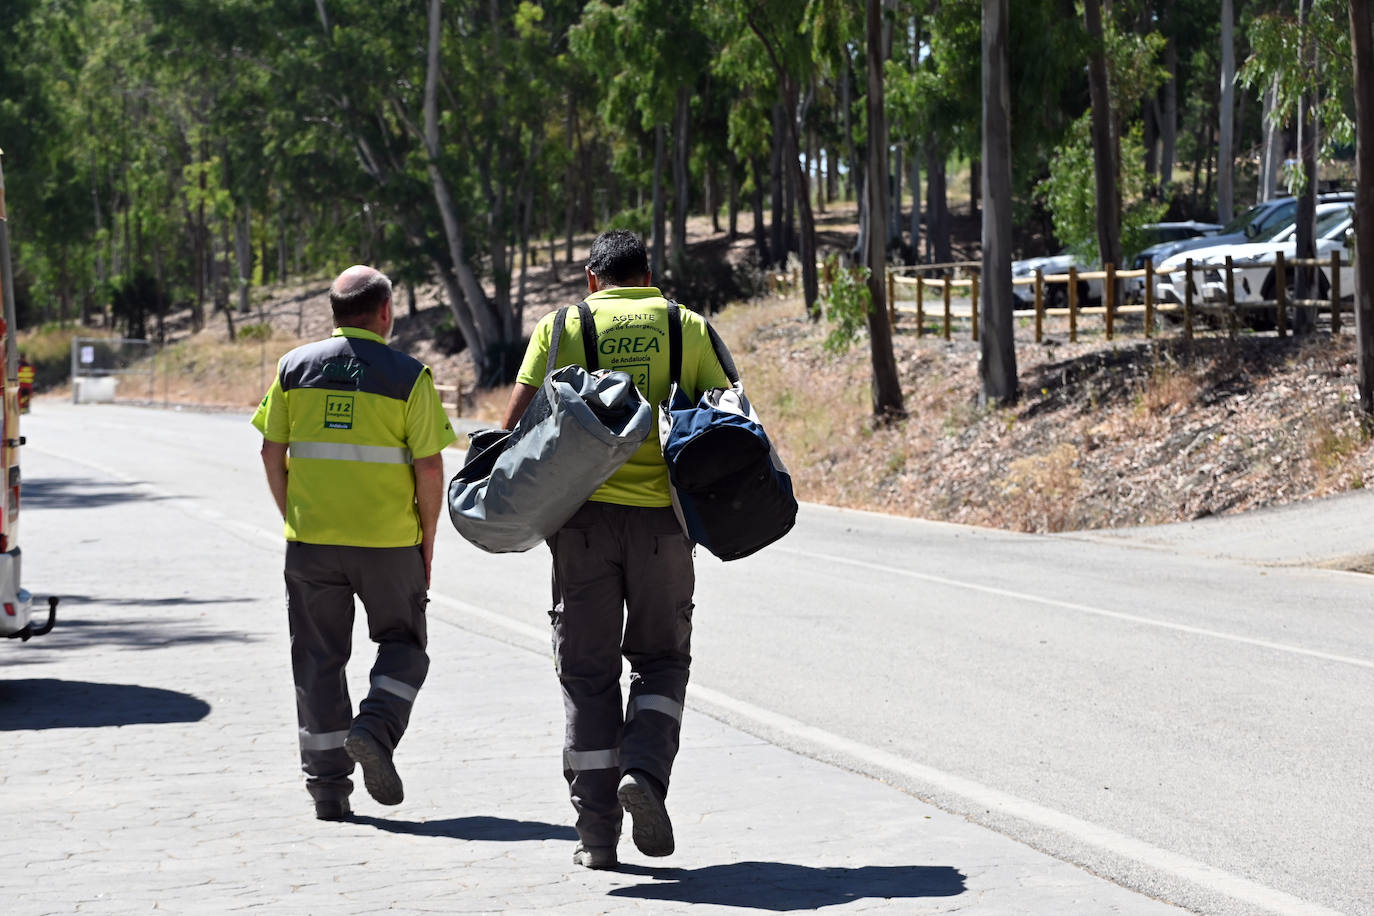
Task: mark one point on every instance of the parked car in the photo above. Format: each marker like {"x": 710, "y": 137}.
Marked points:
{"x": 1253, "y": 264}
{"x": 1169, "y": 282}
{"x": 1056, "y": 294}
{"x": 1260, "y": 220}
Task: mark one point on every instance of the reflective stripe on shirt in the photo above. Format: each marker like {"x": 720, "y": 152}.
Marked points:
{"x": 343, "y": 451}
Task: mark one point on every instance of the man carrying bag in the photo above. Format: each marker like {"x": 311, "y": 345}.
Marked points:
{"x": 622, "y": 562}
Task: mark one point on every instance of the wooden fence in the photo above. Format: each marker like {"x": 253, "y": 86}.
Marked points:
{"x": 1225, "y": 308}
{"x": 456, "y": 405}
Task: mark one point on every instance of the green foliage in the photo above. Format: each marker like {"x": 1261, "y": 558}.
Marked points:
{"x": 254, "y": 332}
{"x": 846, "y": 305}
{"x": 1070, "y": 191}
{"x": 639, "y": 220}
{"x": 1276, "y": 58}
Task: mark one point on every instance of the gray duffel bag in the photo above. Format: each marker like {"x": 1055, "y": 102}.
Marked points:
{"x": 517, "y": 488}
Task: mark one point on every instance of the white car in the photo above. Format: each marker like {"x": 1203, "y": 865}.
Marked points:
{"x": 1056, "y": 294}
{"x": 1253, "y": 264}
{"x": 1169, "y": 272}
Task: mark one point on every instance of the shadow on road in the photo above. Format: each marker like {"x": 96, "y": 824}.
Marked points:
{"x": 478, "y": 827}
{"x": 79, "y": 493}
{"x": 34, "y": 703}
{"x": 782, "y": 887}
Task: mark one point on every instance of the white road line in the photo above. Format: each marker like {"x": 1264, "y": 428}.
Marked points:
{"x": 1083, "y": 608}
{"x": 1199, "y": 873}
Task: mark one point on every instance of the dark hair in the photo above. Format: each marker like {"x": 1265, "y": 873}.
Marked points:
{"x": 359, "y": 301}
{"x": 619, "y": 257}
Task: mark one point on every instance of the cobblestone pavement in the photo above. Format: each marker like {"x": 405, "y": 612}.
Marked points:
{"x": 148, "y": 762}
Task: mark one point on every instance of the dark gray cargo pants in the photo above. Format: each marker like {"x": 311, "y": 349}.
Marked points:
{"x": 619, "y": 567}
{"x": 321, "y": 581}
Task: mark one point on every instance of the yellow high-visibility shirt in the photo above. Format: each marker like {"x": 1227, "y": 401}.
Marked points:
{"x": 632, "y": 337}
{"x": 354, "y": 414}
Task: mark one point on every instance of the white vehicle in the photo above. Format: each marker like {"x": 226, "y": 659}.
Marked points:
{"x": 1056, "y": 294}
{"x": 1169, "y": 272}
{"x": 1253, "y": 264}
{"x": 16, "y": 604}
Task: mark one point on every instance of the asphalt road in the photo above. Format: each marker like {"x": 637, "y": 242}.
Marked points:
{"x": 1192, "y": 727}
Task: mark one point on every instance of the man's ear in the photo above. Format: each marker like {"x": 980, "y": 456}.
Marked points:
{"x": 591, "y": 280}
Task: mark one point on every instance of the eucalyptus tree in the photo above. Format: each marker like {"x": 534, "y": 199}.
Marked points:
{"x": 650, "y": 57}
{"x": 781, "y": 31}
{"x": 1362, "y": 46}
{"x": 887, "y": 388}
{"x": 1306, "y": 58}
{"x": 997, "y": 354}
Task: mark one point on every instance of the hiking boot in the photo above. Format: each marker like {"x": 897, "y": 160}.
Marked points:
{"x": 641, "y": 799}
{"x": 379, "y": 773}
{"x": 332, "y": 809}
{"x": 595, "y": 857}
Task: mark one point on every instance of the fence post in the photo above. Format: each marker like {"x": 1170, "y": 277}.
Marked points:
{"x": 1109, "y": 298}
{"x": 1149, "y": 298}
{"x": 1230, "y": 299}
{"x": 1281, "y": 293}
{"x": 1188, "y": 299}
{"x": 1073, "y": 305}
{"x": 891, "y": 298}
{"x": 973, "y": 294}
{"x": 1039, "y": 304}
{"x": 920, "y": 304}
{"x": 946, "y": 281}
{"x": 1335, "y": 293}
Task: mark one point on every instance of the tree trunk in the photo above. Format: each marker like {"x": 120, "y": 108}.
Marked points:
{"x": 1104, "y": 142}
{"x": 467, "y": 299}
{"x": 243, "y": 257}
{"x": 938, "y": 248}
{"x": 656, "y": 266}
{"x": 887, "y": 387}
{"x": 997, "y": 354}
{"x": 681, "y": 180}
{"x": 1168, "y": 128}
{"x": 760, "y": 224}
{"x": 1272, "y": 145}
{"x": 732, "y": 193}
{"x": 1304, "y": 237}
{"x": 569, "y": 126}
{"x": 1363, "y": 43}
{"x": 778, "y": 236}
{"x": 894, "y": 209}
{"x": 801, "y": 198}
{"x": 1226, "y": 159}
{"x": 975, "y": 172}
{"x": 914, "y": 162}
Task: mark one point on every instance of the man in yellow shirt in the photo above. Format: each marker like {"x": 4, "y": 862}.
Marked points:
{"x": 622, "y": 562}
{"x": 352, "y": 438}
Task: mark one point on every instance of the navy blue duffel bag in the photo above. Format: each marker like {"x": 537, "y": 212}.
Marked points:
{"x": 730, "y": 489}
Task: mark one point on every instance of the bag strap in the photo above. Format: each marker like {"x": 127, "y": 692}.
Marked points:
{"x": 727, "y": 362}
{"x": 584, "y": 312}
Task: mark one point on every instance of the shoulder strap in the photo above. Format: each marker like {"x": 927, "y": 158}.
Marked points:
{"x": 588, "y": 336}
{"x": 674, "y": 343}
{"x": 727, "y": 362}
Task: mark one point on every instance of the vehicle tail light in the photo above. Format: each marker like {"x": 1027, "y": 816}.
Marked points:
{"x": 9, "y": 609}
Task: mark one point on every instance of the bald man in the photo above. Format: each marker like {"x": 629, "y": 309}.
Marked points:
{"x": 352, "y": 435}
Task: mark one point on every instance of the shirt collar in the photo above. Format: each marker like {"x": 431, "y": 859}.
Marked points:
{"x": 626, "y": 292}
{"x": 359, "y": 333}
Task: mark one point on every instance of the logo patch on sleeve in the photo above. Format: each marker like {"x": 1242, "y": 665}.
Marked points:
{"x": 338, "y": 411}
